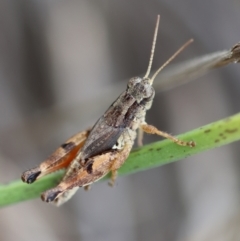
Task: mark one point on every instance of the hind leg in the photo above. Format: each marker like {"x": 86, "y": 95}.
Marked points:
{"x": 79, "y": 176}
{"x": 61, "y": 158}
{"x": 121, "y": 157}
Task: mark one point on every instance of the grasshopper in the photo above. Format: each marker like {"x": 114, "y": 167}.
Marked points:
{"x": 90, "y": 155}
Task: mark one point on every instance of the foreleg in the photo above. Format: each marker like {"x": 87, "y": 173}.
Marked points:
{"x": 153, "y": 130}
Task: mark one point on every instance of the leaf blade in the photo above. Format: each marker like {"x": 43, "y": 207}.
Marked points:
{"x": 150, "y": 156}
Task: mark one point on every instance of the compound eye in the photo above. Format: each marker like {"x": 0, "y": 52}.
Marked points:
{"x": 133, "y": 81}
{"x": 148, "y": 91}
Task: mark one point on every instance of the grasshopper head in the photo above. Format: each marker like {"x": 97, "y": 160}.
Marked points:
{"x": 140, "y": 88}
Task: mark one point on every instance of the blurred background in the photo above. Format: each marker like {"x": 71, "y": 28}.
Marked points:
{"x": 62, "y": 63}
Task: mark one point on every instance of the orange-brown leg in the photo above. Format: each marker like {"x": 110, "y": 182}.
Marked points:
{"x": 121, "y": 157}
{"x": 153, "y": 130}
{"x": 60, "y": 159}
{"x": 81, "y": 176}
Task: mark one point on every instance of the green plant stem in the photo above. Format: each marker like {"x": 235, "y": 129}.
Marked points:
{"x": 150, "y": 156}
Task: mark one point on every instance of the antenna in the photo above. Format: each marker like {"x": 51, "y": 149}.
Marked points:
{"x": 170, "y": 59}
{"x": 153, "y": 48}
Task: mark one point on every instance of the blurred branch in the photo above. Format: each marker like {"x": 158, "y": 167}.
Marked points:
{"x": 191, "y": 69}
{"x": 150, "y": 156}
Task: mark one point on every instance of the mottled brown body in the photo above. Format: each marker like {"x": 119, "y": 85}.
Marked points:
{"x": 90, "y": 155}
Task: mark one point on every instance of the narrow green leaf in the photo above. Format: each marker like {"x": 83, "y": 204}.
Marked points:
{"x": 153, "y": 155}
